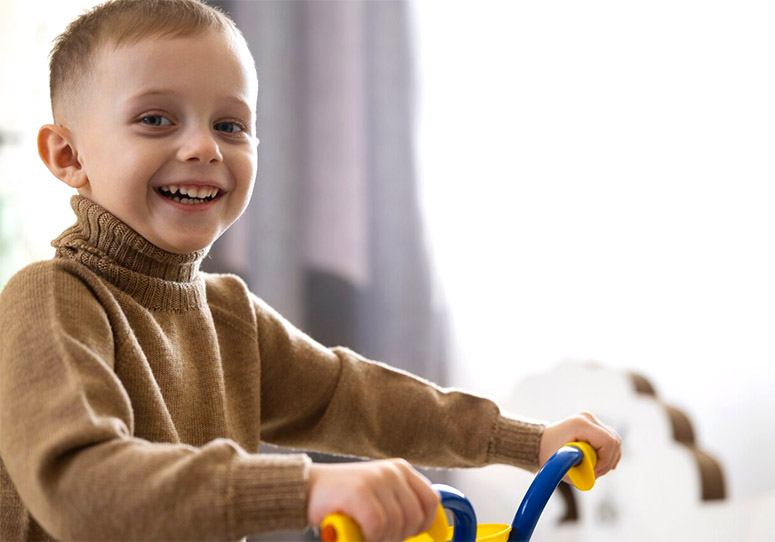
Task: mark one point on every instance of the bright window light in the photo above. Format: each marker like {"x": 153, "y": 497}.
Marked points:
{"x": 598, "y": 180}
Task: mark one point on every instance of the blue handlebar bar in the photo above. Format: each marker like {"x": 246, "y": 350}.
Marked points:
{"x": 462, "y": 512}
{"x": 545, "y": 482}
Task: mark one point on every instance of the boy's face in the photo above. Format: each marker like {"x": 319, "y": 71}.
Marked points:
{"x": 171, "y": 113}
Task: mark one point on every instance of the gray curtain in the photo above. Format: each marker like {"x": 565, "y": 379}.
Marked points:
{"x": 333, "y": 237}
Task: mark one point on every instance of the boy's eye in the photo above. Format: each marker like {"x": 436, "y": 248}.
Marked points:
{"x": 229, "y": 127}
{"x": 155, "y": 120}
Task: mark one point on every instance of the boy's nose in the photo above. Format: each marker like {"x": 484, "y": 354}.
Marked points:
{"x": 201, "y": 145}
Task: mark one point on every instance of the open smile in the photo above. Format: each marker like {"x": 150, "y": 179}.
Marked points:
{"x": 190, "y": 197}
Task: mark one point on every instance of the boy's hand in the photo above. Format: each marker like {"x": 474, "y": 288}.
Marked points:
{"x": 388, "y": 499}
{"x": 585, "y": 427}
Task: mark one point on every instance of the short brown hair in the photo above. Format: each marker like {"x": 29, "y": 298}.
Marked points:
{"x": 120, "y": 22}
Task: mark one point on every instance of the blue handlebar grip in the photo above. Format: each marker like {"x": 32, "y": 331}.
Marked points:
{"x": 545, "y": 482}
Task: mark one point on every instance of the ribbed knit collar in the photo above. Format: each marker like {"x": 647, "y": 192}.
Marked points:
{"x": 157, "y": 279}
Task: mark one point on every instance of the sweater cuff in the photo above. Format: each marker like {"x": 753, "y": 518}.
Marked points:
{"x": 268, "y": 493}
{"x": 515, "y": 442}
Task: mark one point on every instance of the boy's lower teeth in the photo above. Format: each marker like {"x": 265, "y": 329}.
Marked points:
{"x": 189, "y": 201}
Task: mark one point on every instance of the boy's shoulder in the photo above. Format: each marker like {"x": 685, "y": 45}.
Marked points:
{"x": 37, "y": 275}
{"x": 40, "y": 278}
{"x": 52, "y": 293}
{"x": 224, "y": 286}
{"x": 228, "y": 292}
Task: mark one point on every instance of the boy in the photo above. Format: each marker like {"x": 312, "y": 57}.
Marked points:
{"x": 136, "y": 389}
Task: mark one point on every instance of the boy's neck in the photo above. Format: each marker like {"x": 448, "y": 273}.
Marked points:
{"x": 112, "y": 249}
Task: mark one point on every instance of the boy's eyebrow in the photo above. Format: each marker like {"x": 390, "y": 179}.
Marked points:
{"x": 163, "y": 91}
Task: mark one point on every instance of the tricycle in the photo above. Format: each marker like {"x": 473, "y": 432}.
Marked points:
{"x": 576, "y": 459}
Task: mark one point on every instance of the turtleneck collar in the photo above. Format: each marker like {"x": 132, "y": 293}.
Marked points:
{"x": 158, "y": 279}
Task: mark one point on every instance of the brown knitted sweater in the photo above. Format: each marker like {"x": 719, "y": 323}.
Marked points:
{"x": 135, "y": 390}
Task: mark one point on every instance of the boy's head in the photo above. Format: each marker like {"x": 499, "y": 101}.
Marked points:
{"x": 154, "y": 111}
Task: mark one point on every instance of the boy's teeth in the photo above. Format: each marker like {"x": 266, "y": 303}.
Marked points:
{"x": 191, "y": 191}
{"x": 190, "y": 195}
{"x": 195, "y": 191}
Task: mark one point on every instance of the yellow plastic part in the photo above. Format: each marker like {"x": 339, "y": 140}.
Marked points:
{"x": 583, "y": 474}
{"x": 440, "y": 526}
{"x": 493, "y": 532}
{"x": 340, "y": 528}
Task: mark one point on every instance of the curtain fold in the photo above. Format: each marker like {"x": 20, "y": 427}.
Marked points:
{"x": 333, "y": 237}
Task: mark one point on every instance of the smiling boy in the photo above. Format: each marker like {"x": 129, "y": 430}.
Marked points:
{"x": 137, "y": 389}
{"x": 142, "y": 122}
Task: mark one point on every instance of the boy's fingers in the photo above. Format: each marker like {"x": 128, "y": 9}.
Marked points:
{"x": 412, "y": 513}
{"x": 615, "y": 451}
{"x": 606, "y": 450}
{"x": 618, "y": 456}
{"x": 411, "y": 508}
{"x": 420, "y": 498}
{"x": 427, "y": 498}
{"x": 396, "y": 528}
{"x": 393, "y": 525}
{"x": 372, "y": 517}
{"x": 604, "y": 442}
{"x": 608, "y": 444}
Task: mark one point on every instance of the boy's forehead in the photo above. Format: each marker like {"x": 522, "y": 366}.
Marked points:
{"x": 212, "y": 61}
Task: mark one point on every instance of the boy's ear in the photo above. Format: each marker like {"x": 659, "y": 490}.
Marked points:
{"x": 56, "y": 149}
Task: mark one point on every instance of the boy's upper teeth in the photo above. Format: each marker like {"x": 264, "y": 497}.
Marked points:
{"x": 191, "y": 191}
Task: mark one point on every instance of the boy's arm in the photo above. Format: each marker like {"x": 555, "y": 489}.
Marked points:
{"x": 66, "y": 433}
{"x": 334, "y": 400}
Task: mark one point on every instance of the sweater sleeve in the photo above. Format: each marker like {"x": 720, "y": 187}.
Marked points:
{"x": 66, "y": 433}
{"x": 334, "y": 400}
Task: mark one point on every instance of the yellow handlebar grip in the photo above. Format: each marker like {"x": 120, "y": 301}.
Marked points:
{"x": 583, "y": 474}
{"x": 340, "y": 528}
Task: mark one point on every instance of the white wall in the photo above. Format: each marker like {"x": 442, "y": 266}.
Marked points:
{"x": 599, "y": 182}
{"x": 36, "y": 202}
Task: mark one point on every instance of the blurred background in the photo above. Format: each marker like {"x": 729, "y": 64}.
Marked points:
{"x": 484, "y": 192}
